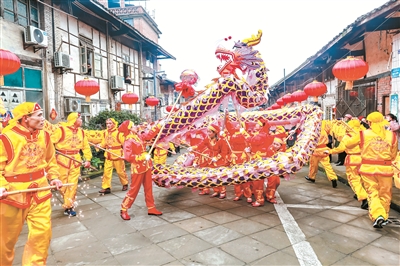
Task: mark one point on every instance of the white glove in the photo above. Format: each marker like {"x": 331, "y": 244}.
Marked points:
{"x": 247, "y": 149}
{"x": 241, "y": 130}
{"x": 194, "y": 164}
{"x": 161, "y": 122}
{"x": 291, "y": 132}
{"x": 148, "y": 156}
{"x": 57, "y": 183}
{"x": 221, "y": 133}
{"x": 214, "y": 159}
{"x": 3, "y": 193}
{"x": 189, "y": 149}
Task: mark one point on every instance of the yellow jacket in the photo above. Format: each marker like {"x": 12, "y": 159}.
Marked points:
{"x": 69, "y": 141}
{"x": 113, "y": 140}
{"x": 353, "y": 157}
{"x": 377, "y": 154}
{"x": 26, "y": 156}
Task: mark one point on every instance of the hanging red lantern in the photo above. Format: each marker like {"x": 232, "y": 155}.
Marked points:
{"x": 130, "y": 98}
{"x": 169, "y": 108}
{"x": 275, "y": 106}
{"x": 299, "y": 96}
{"x": 9, "y": 63}
{"x": 353, "y": 94}
{"x": 280, "y": 102}
{"x": 287, "y": 98}
{"x": 315, "y": 89}
{"x": 152, "y": 101}
{"x": 87, "y": 87}
{"x": 350, "y": 69}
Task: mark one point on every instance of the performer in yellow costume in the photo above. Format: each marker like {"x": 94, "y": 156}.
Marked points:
{"x": 113, "y": 141}
{"x": 319, "y": 157}
{"x": 69, "y": 139}
{"x": 161, "y": 152}
{"x": 378, "y": 150}
{"x": 352, "y": 162}
{"x": 26, "y": 161}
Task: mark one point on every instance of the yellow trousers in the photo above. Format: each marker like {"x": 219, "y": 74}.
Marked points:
{"x": 355, "y": 182}
{"x": 38, "y": 218}
{"x": 119, "y": 166}
{"x": 69, "y": 193}
{"x": 379, "y": 190}
{"x": 160, "y": 159}
{"x": 313, "y": 168}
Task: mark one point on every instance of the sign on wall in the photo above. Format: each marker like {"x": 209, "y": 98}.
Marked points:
{"x": 394, "y": 104}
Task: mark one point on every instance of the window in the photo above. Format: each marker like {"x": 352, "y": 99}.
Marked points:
{"x": 127, "y": 73}
{"x": 86, "y": 56}
{"x": 25, "y": 78}
{"x": 98, "y": 66}
{"x": 24, "y": 12}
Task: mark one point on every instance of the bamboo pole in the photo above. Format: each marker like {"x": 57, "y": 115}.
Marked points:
{"x": 37, "y": 189}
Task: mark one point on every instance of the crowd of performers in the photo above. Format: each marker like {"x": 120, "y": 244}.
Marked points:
{"x": 31, "y": 159}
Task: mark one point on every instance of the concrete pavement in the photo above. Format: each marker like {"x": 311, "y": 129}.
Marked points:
{"x": 312, "y": 224}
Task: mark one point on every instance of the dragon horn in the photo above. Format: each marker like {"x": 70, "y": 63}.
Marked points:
{"x": 253, "y": 40}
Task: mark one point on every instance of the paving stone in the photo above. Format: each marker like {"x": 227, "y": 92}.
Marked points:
{"x": 363, "y": 235}
{"x": 217, "y": 235}
{"x": 377, "y": 256}
{"x": 184, "y": 246}
{"x": 163, "y": 232}
{"x": 245, "y": 226}
{"x": 213, "y": 256}
{"x": 272, "y": 237}
{"x": 221, "y": 217}
{"x": 124, "y": 243}
{"x": 149, "y": 255}
{"x": 195, "y": 224}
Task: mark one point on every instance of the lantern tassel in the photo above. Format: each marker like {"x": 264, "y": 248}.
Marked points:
{"x": 349, "y": 85}
{"x": 315, "y": 99}
{"x": 130, "y": 107}
{"x": 87, "y": 99}
{"x": 1, "y": 80}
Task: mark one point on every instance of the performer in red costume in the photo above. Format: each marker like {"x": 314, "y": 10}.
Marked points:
{"x": 259, "y": 143}
{"x": 141, "y": 166}
{"x": 273, "y": 181}
{"x": 237, "y": 140}
{"x": 219, "y": 154}
{"x": 27, "y": 161}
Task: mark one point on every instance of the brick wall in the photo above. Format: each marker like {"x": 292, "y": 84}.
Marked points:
{"x": 384, "y": 89}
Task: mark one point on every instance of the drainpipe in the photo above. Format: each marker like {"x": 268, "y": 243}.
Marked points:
{"x": 140, "y": 57}
{"x": 109, "y": 63}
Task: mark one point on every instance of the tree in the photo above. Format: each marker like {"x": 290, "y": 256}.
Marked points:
{"x": 98, "y": 122}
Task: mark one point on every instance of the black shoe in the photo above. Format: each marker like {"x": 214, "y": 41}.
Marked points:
{"x": 378, "y": 222}
{"x": 364, "y": 204}
{"x": 309, "y": 179}
{"x": 105, "y": 191}
{"x": 69, "y": 212}
{"x": 355, "y": 197}
{"x": 334, "y": 183}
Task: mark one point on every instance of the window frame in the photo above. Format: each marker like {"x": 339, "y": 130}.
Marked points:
{"x": 30, "y": 5}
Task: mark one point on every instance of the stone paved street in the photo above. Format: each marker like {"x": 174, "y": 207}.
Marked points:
{"x": 312, "y": 224}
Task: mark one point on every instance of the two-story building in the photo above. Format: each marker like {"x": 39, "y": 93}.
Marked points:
{"x": 373, "y": 37}
{"x": 60, "y": 42}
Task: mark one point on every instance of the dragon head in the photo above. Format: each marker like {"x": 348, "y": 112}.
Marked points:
{"x": 242, "y": 57}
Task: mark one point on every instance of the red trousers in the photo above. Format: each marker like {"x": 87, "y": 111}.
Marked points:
{"x": 136, "y": 181}
{"x": 273, "y": 183}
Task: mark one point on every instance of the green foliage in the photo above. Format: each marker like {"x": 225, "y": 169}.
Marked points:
{"x": 98, "y": 122}
{"x": 96, "y": 162}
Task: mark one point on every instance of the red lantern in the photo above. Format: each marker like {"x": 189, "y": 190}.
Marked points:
{"x": 9, "y": 63}
{"x": 287, "y": 98}
{"x": 169, "y": 108}
{"x": 353, "y": 94}
{"x": 130, "y": 98}
{"x": 53, "y": 114}
{"x": 152, "y": 101}
{"x": 275, "y": 106}
{"x": 87, "y": 87}
{"x": 280, "y": 102}
{"x": 299, "y": 96}
{"x": 315, "y": 89}
{"x": 350, "y": 69}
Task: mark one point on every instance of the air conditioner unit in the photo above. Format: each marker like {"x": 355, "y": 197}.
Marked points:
{"x": 72, "y": 105}
{"x": 62, "y": 60}
{"x": 117, "y": 82}
{"x": 36, "y": 36}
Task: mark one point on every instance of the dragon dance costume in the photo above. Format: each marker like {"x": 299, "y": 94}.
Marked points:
{"x": 318, "y": 157}
{"x": 70, "y": 140}
{"x": 25, "y": 158}
{"x": 113, "y": 141}
{"x": 378, "y": 150}
{"x": 141, "y": 168}
{"x": 353, "y": 163}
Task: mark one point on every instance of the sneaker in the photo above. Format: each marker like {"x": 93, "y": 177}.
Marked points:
{"x": 334, "y": 183}
{"x": 124, "y": 187}
{"x": 378, "y": 222}
{"x": 154, "y": 211}
{"x": 105, "y": 191}
{"x": 364, "y": 204}
{"x": 309, "y": 179}
{"x": 124, "y": 215}
{"x": 69, "y": 212}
